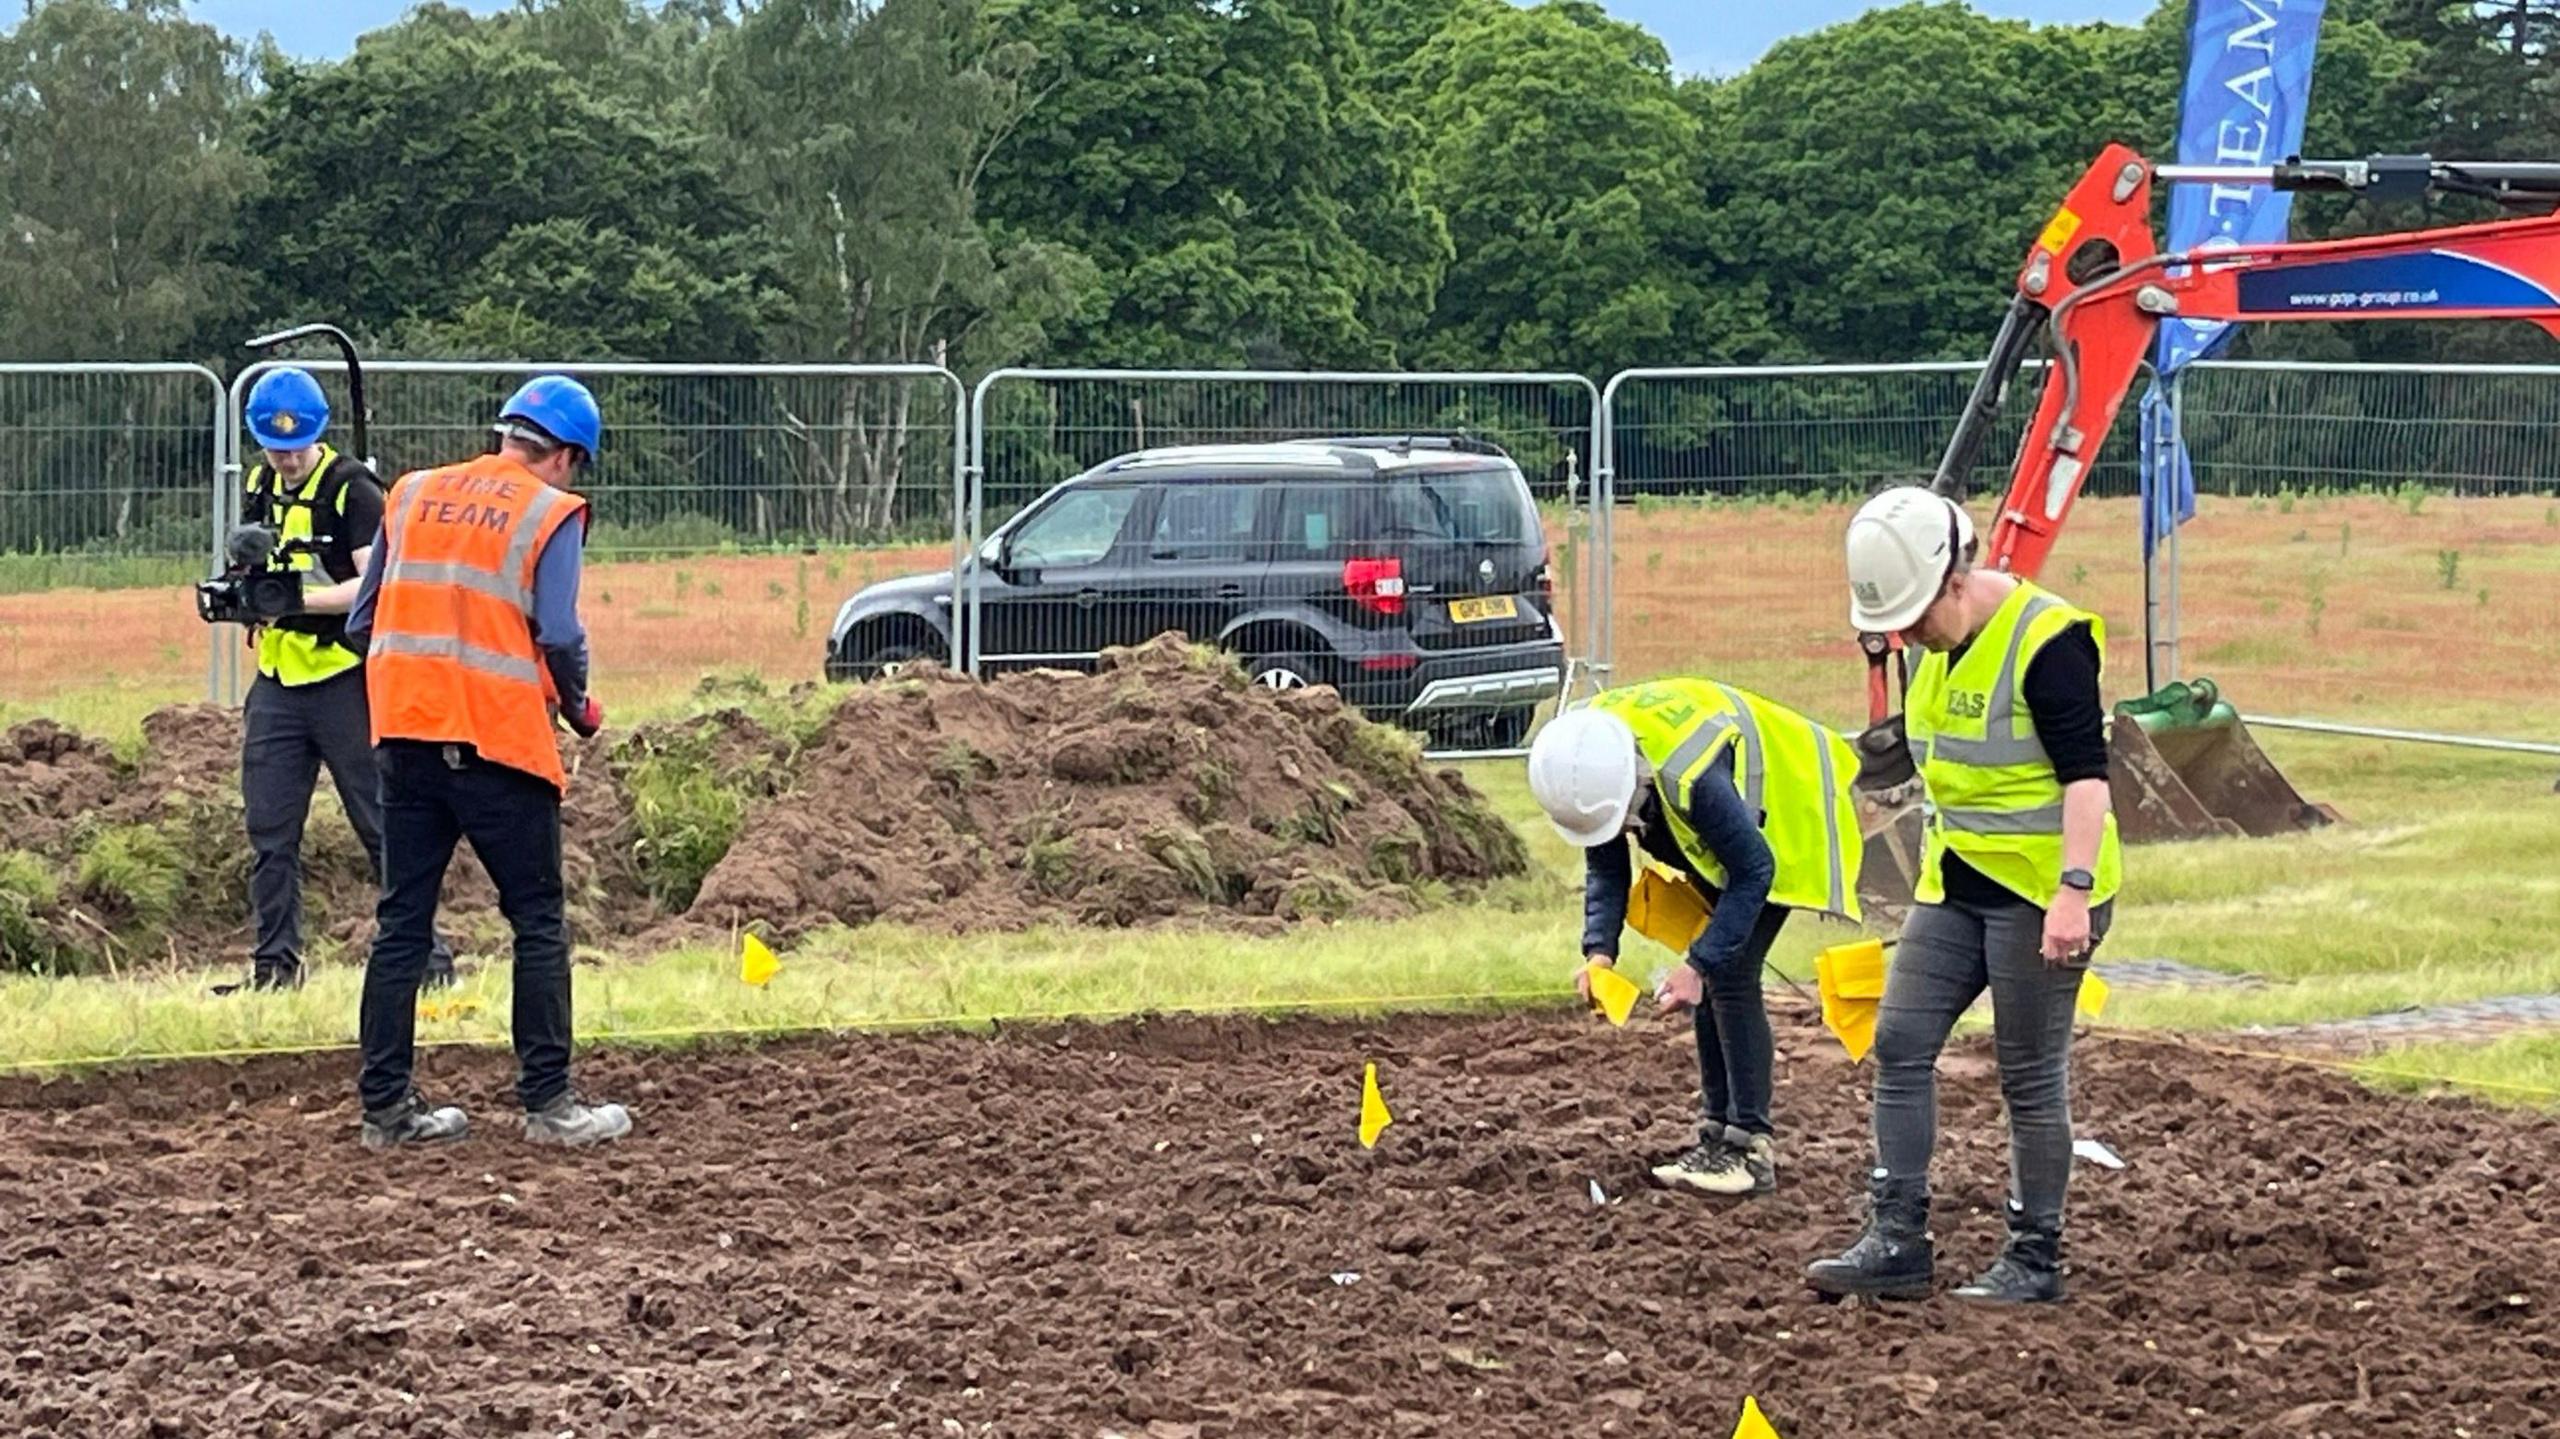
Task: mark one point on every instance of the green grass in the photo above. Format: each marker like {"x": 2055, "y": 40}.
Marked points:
{"x": 2518, "y": 1068}
{"x": 110, "y": 712}
{"x": 27, "y": 574}
{"x": 134, "y": 870}
{"x": 1515, "y": 948}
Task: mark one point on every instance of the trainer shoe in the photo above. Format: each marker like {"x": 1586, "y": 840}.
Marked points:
{"x": 413, "y": 1121}
{"x": 574, "y": 1123}
{"x": 1736, "y": 1163}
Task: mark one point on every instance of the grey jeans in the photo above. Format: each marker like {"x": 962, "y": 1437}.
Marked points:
{"x": 1949, "y": 954}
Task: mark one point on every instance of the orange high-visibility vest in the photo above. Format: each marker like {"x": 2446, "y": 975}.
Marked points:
{"x": 452, "y": 658}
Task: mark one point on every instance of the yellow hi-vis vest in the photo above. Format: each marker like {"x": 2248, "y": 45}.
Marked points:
{"x": 1992, "y": 795}
{"x": 297, "y": 657}
{"x": 1792, "y": 773}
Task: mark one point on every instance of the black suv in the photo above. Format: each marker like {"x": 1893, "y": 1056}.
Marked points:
{"x": 1410, "y": 573}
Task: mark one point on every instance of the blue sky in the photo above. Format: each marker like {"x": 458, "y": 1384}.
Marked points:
{"x": 1710, "y": 36}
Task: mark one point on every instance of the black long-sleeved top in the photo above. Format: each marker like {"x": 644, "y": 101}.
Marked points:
{"x": 1729, "y": 830}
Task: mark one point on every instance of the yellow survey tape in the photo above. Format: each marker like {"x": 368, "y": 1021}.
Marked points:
{"x": 610, "y": 1037}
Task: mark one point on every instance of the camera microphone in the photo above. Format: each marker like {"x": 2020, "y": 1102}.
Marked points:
{"x": 250, "y": 546}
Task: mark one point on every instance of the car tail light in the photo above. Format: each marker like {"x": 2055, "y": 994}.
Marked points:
{"x": 1376, "y": 584}
{"x": 1547, "y": 581}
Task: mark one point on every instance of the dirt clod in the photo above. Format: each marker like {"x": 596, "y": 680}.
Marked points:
{"x": 936, "y": 1227}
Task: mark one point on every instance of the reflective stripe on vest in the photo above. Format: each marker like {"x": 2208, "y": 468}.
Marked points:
{"x": 1788, "y": 770}
{"x": 2002, "y": 717}
{"x": 292, "y": 657}
{"x": 471, "y": 656}
{"x": 453, "y": 652}
{"x": 1842, "y": 902}
{"x": 496, "y": 587}
{"x": 1993, "y": 798}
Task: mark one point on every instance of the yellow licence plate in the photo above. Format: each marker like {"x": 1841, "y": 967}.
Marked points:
{"x": 1500, "y": 607}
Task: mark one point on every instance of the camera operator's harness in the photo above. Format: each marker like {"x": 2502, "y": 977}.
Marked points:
{"x": 289, "y": 531}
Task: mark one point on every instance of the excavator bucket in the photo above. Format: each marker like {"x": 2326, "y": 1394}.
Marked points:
{"x": 2182, "y": 765}
{"x": 1888, "y": 796}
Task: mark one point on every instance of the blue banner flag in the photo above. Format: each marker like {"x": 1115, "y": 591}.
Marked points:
{"x": 2248, "y": 88}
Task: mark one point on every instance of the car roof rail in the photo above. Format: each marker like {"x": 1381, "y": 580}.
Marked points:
{"x": 1457, "y": 442}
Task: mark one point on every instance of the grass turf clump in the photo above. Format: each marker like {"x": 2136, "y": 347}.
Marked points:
{"x": 134, "y": 871}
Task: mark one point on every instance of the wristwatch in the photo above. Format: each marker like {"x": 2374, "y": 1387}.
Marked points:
{"x": 2079, "y": 879}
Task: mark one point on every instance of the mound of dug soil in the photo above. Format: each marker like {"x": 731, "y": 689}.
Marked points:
{"x": 1163, "y": 788}
{"x": 108, "y": 861}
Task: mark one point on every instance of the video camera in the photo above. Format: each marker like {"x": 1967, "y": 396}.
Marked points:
{"x": 249, "y": 591}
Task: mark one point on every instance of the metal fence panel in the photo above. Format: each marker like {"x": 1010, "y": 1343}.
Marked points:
{"x": 2370, "y": 549}
{"x": 1732, "y": 485}
{"x": 735, "y": 507}
{"x": 1419, "y": 585}
{"x": 2374, "y": 545}
{"x": 107, "y": 519}
{"x": 2355, "y": 516}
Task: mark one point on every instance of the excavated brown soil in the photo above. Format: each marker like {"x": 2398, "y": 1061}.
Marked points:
{"x": 1164, "y": 788}
{"x": 1167, "y": 1229}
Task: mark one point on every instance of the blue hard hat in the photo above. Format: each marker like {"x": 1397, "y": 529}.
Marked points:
{"x": 287, "y": 411}
{"x": 559, "y": 407}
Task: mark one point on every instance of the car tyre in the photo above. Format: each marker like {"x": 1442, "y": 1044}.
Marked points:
{"x": 1509, "y": 729}
{"x": 1283, "y": 672}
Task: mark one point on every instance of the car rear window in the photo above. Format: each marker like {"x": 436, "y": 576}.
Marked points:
{"x": 1467, "y": 506}
{"x": 1316, "y": 521}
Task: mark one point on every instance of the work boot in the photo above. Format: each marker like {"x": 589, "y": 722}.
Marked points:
{"x": 574, "y": 1123}
{"x": 2028, "y": 1271}
{"x": 265, "y": 977}
{"x": 1893, "y": 1259}
{"x": 413, "y": 1121}
{"x": 1734, "y": 1163}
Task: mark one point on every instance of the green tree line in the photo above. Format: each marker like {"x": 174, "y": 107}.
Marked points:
{"x": 1444, "y": 184}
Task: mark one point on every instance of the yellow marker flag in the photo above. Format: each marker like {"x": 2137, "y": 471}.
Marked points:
{"x": 1754, "y": 1425}
{"x": 1616, "y": 993}
{"x": 1373, "y": 1109}
{"x": 756, "y": 963}
{"x": 2093, "y": 994}
{"x": 1666, "y": 909}
{"x": 1851, "y": 978}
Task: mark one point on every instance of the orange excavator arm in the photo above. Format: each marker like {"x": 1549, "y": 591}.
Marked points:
{"x": 2095, "y": 289}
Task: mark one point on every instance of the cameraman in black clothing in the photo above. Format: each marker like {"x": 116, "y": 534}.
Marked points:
{"x": 307, "y": 706}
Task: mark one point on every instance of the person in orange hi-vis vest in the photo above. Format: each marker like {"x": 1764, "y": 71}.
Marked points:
{"x": 468, "y": 615}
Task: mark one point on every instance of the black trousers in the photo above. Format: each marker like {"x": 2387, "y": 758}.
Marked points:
{"x": 288, "y": 732}
{"x": 1737, "y": 1056}
{"x": 435, "y": 796}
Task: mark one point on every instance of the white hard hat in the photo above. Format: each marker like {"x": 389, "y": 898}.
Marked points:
{"x": 1584, "y": 770}
{"x": 1902, "y": 545}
